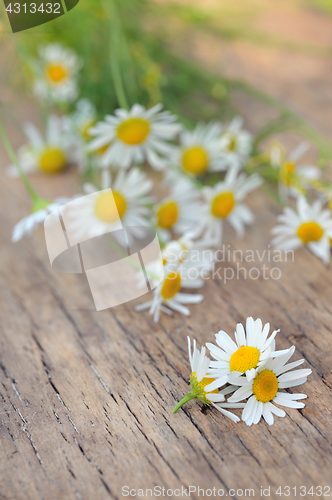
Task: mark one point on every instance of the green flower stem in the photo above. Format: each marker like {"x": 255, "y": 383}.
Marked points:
{"x": 11, "y": 153}
{"x": 131, "y": 261}
{"x": 116, "y": 34}
{"x": 183, "y": 401}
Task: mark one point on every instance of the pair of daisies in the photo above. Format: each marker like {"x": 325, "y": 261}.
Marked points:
{"x": 248, "y": 368}
{"x": 138, "y": 135}
{"x": 203, "y": 211}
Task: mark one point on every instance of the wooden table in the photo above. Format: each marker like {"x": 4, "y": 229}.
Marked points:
{"x": 87, "y": 397}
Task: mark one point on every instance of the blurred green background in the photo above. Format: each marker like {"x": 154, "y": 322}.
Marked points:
{"x": 270, "y": 60}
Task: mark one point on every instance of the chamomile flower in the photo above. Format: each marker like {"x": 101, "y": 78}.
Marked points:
{"x": 199, "y": 150}
{"x": 193, "y": 258}
{"x": 78, "y": 124}
{"x": 83, "y": 118}
{"x": 251, "y": 349}
{"x": 56, "y": 73}
{"x": 236, "y": 143}
{"x": 167, "y": 295}
{"x": 135, "y": 136}
{"x": 121, "y": 201}
{"x": 178, "y": 212}
{"x": 263, "y": 390}
{"x": 40, "y": 211}
{"x": 50, "y": 154}
{"x": 224, "y": 202}
{"x": 294, "y": 178}
{"x": 199, "y": 379}
{"x": 310, "y": 225}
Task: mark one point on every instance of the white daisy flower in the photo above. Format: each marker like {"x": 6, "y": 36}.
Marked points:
{"x": 199, "y": 150}
{"x": 50, "y": 154}
{"x": 83, "y": 118}
{"x": 224, "y": 202}
{"x": 193, "y": 257}
{"x": 236, "y": 143}
{"x": 167, "y": 295}
{"x": 294, "y": 178}
{"x": 135, "y": 136}
{"x": 121, "y": 202}
{"x": 199, "y": 379}
{"x": 41, "y": 210}
{"x": 177, "y": 212}
{"x": 178, "y": 250}
{"x": 78, "y": 125}
{"x": 56, "y": 73}
{"x": 263, "y": 391}
{"x": 251, "y": 349}
{"x": 310, "y": 225}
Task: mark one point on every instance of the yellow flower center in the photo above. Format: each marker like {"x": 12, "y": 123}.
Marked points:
{"x": 195, "y": 160}
{"x": 289, "y": 167}
{"x": 310, "y": 231}
{"x": 167, "y": 214}
{"x": 204, "y": 382}
{"x": 265, "y": 386}
{"x": 222, "y": 205}
{"x": 56, "y": 72}
{"x": 171, "y": 286}
{"x": 133, "y": 131}
{"x": 245, "y": 358}
{"x": 52, "y": 160}
{"x": 105, "y": 209}
{"x": 287, "y": 173}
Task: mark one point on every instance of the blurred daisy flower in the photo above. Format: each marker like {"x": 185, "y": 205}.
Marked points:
{"x": 199, "y": 380}
{"x": 310, "y": 225}
{"x": 194, "y": 259}
{"x": 83, "y": 118}
{"x": 56, "y": 74}
{"x": 167, "y": 295}
{"x": 78, "y": 125}
{"x": 40, "y": 211}
{"x": 263, "y": 391}
{"x": 135, "y": 136}
{"x": 224, "y": 202}
{"x": 250, "y": 350}
{"x": 178, "y": 212}
{"x": 236, "y": 143}
{"x": 122, "y": 202}
{"x": 199, "y": 150}
{"x": 50, "y": 154}
{"x": 294, "y": 178}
